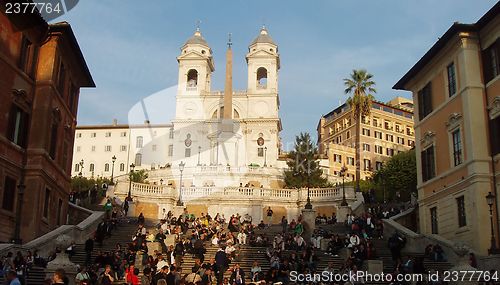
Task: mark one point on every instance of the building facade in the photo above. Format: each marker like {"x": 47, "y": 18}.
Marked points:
{"x": 388, "y": 130}
{"x": 147, "y": 146}
{"x": 42, "y": 70}
{"x": 456, "y": 89}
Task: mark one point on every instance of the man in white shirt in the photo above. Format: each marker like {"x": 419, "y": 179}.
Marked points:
{"x": 242, "y": 237}
{"x": 161, "y": 262}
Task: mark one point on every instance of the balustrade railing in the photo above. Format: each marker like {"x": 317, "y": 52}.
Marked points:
{"x": 192, "y": 193}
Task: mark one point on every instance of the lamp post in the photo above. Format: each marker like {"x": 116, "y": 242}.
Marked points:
{"x": 129, "y": 197}
{"x": 265, "y": 156}
{"x": 308, "y": 204}
{"x": 113, "y": 159}
{"x": 490, "y": 199}
{"x": 181, "y": 169}
{"x": 199, "y": 151}
{"x": 343, "y": 170}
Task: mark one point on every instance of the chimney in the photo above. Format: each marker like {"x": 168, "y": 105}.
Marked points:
{"x": 115, "y": 122}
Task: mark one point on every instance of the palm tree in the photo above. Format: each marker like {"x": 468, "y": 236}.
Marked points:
{"x": 360, "y": 85}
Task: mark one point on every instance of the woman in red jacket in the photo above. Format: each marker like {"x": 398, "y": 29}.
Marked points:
{"x": 132, "y": 278}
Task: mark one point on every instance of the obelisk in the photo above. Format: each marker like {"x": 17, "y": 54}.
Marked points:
{"x": 227, "y": 116}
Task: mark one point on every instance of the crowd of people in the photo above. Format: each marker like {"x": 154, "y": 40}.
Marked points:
{"x": 155, "y": 253}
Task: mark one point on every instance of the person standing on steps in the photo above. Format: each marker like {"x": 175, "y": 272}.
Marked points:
{"x": 269, "y": 217}
{"x": 89, "y": 247}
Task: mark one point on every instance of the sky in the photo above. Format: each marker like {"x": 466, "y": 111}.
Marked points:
{"x": 131, "y": 47}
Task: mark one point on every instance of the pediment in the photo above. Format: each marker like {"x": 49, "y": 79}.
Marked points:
{"x": 261, "y": 52}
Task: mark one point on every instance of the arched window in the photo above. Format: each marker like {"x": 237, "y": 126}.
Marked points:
{"x": 91, "y": 168}
{"x": 192, "y": 78}
{"x": 261, "y": 78}
{"x": 138, "y": 159}
{"x": 122, "y": 166}
{"x": 106, "y": 167}
{"x": 139, "y": 142}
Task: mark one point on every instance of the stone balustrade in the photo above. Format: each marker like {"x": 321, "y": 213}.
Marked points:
{"x": 154, "y": 191}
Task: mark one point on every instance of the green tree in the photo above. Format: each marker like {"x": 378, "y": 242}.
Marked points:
{"x": 398, "y": 174}
{"x": 139, "y": 176}
{"x": 361, "y": 86}
{"x": 79, "y": 183}
{"x": 303, "y": 165}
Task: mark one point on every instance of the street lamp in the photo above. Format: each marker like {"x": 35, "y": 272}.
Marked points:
{"x": 199, "y": 151}
{"x": 265, "y": 156}
{"x": 308, "y": 204}
{"x": 342, "y": 172}
{"x": 113, "y": 159}
{"x": 181, "y": 169}
{"x": 81, "y": 168}
{"x": 490, "y": 199}
{"x": 129, "y": 197}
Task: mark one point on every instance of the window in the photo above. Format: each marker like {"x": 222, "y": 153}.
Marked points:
{"x": 375, "y": 122}
{"x": 77, "y": 167}
{"x": 350, "y": 160}
{"x": 367, "y": 164}
{"x": 153, "y": 147}
{"x": 378, "y": 165}
{"x": 122, "y": 166}
{"x": 457, "y": 147}
{"x": 452, "y": 83}
{"x": 378, "y": 134}
{"x": 260, "y": 152}
{"x": 378, "y": 149}
{"x": 401, "y": 140}
{"x": 59, "y": 212}
{"x": 171, "y": 150}
{"x": 93, "y": 135}
{"x": 61, "y": 79}
{"x": 9, "y": 193}
{"x": 192, "y": 78}
{"x": 348, "y": 135}
{"x": 46, "y": 203}
{"x": 428, "y": 167}
{"x": 337, "y": 158}
{"x": 387, "y": 125}
{"x": 491, "y": 63}
{"x": 108, "y": 134}
{"x": 495, "y": 135}
{"x": 366, "y": 132}
{"x": 139, "y": 142}
{"x": 462, "y": 221}
{"x": 389, "y": 138}
{"x": 53, "y": 140}
{"x": 138, "y": 159}
{"x": 366, "y": 147}
{"x": 93, "y": 148}
{"x": 123, "y": 148}
{"x": 107, "y": 148}
{"x": 398, "y": 128}
{"x": 411, "y": 143}
{"x": 389, "y": 151}
{"x": 424, "y": 98}
{"x": 434, "y": 221}
{"x": 261, "y": 78}
{"x": 78, "y": 148}
{"x": 123, "y": 134}
{"x": 106, "y": 167}
{"x": 79, "y": 135}
{"x": 187, "y": 152}
{"x": 91, "y": 167}
{"x": 24, "y": 54}
{"x": 171, "y": 133}
{"x": 17, "y": 130}
{"x": 72, "y": 96}
{"x": 409, "y": 132}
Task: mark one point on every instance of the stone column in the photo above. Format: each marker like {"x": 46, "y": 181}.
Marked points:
{"x": 62, "y": 261}
{"x": 342, "y": 212}
{"x": 131, "y": 210}
{"x": 308, "y": 220}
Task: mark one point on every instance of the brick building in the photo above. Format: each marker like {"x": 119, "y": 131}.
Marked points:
{"x": 41, "y": 72}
